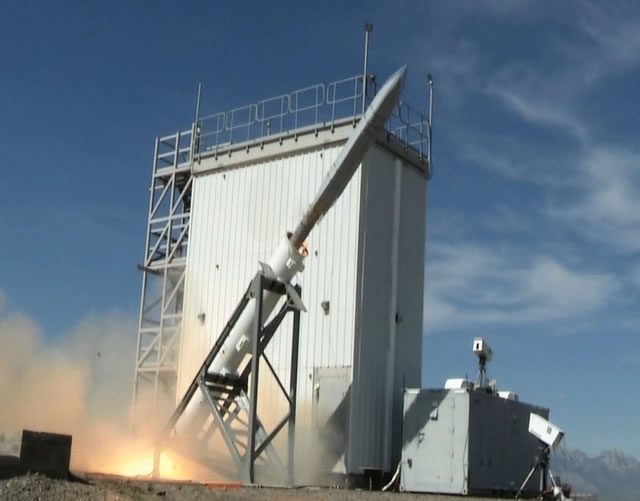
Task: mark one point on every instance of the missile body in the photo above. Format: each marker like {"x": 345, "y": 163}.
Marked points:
{"x": 288, "y": 258}
{"x": 351, "y": 154}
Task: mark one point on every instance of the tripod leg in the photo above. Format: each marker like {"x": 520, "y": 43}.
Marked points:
{"x": 555, "y": 486}
{"x": 526, "y": 481}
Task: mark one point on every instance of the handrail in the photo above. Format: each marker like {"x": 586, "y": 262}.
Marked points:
{"x": 316, "y": 105}
{"x": 266, "y": 120}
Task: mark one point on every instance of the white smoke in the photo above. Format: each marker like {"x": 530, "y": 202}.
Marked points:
{"x": 79, "y": 383}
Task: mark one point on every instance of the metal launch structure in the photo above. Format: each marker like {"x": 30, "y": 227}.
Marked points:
{"x": 345, "y": 333}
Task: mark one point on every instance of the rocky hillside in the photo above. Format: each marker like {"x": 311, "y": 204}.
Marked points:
{"x": 612, "y": 475}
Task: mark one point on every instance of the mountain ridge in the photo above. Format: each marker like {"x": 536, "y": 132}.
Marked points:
{"x": 612, "y": 475}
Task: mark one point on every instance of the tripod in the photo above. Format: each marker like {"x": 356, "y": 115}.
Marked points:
{"x": 542, "y": 463}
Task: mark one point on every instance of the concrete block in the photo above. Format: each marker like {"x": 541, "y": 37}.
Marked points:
{"x": 46, "y": 453}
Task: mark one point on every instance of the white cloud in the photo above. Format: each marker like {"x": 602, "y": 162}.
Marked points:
{"x": 611, "y": 185}
{"x": 534, "y": 105}
{"x": 613, "y": 30}
{"x": 517, "y": 159}
{"x": 580, "y": 184}
{"x": 458, "y": 264}
{"x": 470, "y": 285}
{"x": 606, "y": 207}
{"x": 595, "y": 186}
{"x": 553, "y": 90}
{"x": 456, "y": 71}
{"x": 458, "y": 63}
{"x": 564, "y": 291}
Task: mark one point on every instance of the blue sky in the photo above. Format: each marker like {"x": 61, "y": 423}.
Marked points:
{"x": 533, "y": 210}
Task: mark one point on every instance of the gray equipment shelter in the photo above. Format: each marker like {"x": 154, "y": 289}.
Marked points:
{"x": 466, "y": 442}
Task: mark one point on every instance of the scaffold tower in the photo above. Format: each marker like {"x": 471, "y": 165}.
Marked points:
{"x": 163, "y": 272}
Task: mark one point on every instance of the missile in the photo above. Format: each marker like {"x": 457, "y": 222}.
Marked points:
{"x": 288, "y": 258}
{"x": 351, "y": 154}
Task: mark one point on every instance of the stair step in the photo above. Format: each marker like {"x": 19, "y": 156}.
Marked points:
{"x": 222, "y": 379}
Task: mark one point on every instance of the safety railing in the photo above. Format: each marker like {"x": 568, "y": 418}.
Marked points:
{"x": 173, "y": 150}
{"x": 410, "y": 127}
{"x": 314, "y": 106}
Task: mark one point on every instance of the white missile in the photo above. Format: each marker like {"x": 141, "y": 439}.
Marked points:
{"x": 288, "y": 257}
{"x": 351, "y": 154}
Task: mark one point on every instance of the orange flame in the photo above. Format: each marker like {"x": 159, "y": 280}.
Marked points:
{"x": 140, "y": 464}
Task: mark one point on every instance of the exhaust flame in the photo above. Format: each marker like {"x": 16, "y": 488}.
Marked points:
{"x": 140, "y": 464}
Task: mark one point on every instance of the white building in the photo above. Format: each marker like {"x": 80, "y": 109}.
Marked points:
{"x": 232, "y": 196}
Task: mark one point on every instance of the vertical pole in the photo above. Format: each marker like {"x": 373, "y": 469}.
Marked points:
{"x": 143, "y": 293}
{"x": 195, "y": 130}
{"x": 156, "y": 459}
{"x": 258, "y": 290}
{"x": 136, "y": 381}
{"x": 368, "y": 27}
{"x": 197, "y": 116}
{"x": 545, "y": 466}
{"x": 429, "y": 125}
{"x": 293, "y": 389}
{"x": 152, "y": 191}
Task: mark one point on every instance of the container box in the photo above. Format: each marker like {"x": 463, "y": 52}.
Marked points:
{"x": 46, "y": 453}
{"x": 467, "y": 442}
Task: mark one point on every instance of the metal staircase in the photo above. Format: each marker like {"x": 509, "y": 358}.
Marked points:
{"x": 232, "y": 400}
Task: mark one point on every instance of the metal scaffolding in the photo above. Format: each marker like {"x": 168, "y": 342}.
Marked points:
{"x": 163, "y": 273}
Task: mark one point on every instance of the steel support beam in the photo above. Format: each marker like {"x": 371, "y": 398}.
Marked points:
{"x": 231, "y": 397}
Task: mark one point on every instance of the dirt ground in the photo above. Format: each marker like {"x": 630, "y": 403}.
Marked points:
{"x": 96, "y": 488}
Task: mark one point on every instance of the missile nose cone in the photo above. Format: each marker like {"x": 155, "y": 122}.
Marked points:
{"x": 402, "y": 72}
{"x": 389, "y": 93}
{"x": 395, "y": 81}
{"x": 398, "y": 78}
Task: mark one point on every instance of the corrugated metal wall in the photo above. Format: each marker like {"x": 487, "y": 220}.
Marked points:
{"x": 367, "y": 263}
{"x": 501, "y": 449}
{"x": 238, "y": 217}
{"x": 388, "y": 335}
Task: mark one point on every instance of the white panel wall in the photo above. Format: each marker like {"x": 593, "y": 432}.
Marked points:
{"x": 366, "y": 258}
{"x": 388, "y": 348}
{"x": 238, "y": 217}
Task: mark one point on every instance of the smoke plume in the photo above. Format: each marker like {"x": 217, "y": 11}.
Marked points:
{"x": 79, "y": 383}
